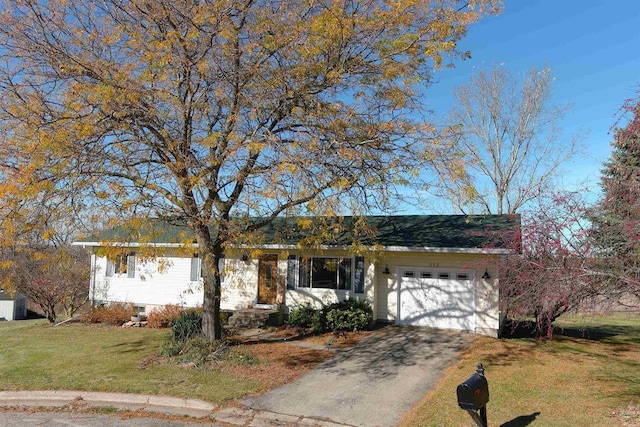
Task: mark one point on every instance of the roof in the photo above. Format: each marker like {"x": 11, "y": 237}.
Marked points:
{"x": 408, "y": 231}
{"x": 6, "y": 296}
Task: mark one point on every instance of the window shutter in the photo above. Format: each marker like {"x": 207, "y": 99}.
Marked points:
{"x": 305, "y": 273}
{"x": 220, "y": 268}
{"x": 358, "y": 285}
{"x": 195, "y": 268}
{"x": 131, "y": 265}
{"x": 292, "y": 267}
{"x": 111, "y": 268}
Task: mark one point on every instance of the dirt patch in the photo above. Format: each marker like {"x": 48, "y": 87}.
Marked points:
{"x": 273, "y": 364}
{"x": 276, "y": 363}
{"x": 630, "y": 416}
{"x": 338, "y": 340}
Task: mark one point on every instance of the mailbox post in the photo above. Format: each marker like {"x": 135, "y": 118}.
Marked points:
{"x": 473, "y": 395}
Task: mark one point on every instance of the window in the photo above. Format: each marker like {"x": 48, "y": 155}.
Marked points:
{"x": 122, "y": 264}
{"x": 195, "y": 271}
{"x": 462, "y": 276}
{"x": 292, "y": 270}
{"x": 409, "y": 274}
{"x": 326, "y": 273}
{"x": 140, "y": 308}
{"x": 426, "y": 275}
{"x": 196, "y": 268}
{"x": 268, "y": 275}
{"x": 443, "y": 275}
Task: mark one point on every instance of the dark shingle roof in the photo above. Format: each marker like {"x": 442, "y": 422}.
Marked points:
{"x": 6, "y": 296}
{"x": 435, "y": 231}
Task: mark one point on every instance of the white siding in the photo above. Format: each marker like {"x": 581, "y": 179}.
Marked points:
{"x": 154, "y": 286}
{"x": 239, "y": 283}
{"x": 15, "y": 308}
{"x": 7, "y": 309}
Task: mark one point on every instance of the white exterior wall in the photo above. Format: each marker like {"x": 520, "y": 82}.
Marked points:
{"x": 386, "y": 302}
{"x": 239, "y": 283}
{"x": 152, "y": 288}
{"x": 155, "y": 287}
{"x": 7, "y": 309}
{"x": 151, "y": 285}
{"x": 15, "y": 308}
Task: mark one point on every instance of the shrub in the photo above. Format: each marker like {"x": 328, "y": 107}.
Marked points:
{"x": 306, "y": 316}
{"x": 349, "y": 315}
{"x": 113, "y": 314}
{"x": 197, "y": 351}
{"x": 163, "y": 317}
{"x": 188, "y": 325}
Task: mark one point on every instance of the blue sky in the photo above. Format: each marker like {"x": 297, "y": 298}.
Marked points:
{"x": 592, "y": 48}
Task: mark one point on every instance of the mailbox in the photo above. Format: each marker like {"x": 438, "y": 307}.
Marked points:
{"x": 473, "y": 394}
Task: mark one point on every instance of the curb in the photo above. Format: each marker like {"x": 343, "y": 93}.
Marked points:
{"x": 151, "y": 403}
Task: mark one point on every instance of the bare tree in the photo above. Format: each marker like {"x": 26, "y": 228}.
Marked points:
{"x": 506, "y": 134}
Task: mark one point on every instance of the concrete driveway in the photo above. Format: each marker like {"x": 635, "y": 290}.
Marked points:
{"x": 375, "y": 382}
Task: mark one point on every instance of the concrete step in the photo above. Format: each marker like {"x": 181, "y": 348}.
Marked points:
{"x": 255, "y": 318}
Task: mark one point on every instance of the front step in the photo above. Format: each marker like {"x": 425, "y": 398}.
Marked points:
{"x": 255, "y": 318}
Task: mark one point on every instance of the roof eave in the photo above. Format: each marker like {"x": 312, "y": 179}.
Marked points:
{"x": 423, "y": 249}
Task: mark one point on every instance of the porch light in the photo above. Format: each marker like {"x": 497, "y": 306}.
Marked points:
{"x": 386, "y": 270}
{"x": 486, "y": 275}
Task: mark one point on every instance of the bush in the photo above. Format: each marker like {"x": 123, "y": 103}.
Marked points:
{"x": 113, "y": 314}
{"x": 306, "y": 316}
{"x": 349, "y": 315}
{"x": 197, "y": 351}
{"x": 188, "y": 325}
{"x": 163, "y": 317}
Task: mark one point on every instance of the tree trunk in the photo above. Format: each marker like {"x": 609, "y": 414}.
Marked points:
{"x": 210, "y": 252}
{"x": 211, "y": 324}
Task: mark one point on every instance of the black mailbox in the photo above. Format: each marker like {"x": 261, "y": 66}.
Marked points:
{"x": 473, "y": 394}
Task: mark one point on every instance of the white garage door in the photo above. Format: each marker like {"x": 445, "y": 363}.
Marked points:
{"x": 436, "y": 298}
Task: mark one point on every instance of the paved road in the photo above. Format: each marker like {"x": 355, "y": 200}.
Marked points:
{"x": 66, "y": 419}
{"x": 373, "y": 383}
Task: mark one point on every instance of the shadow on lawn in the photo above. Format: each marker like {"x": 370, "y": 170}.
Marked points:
{"x": 521, "y": 421}
{"x": 527, "y": 329}
{"x": 132, "y": 346}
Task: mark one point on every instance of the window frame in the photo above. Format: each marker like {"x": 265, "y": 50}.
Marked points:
{"x": 344, "y": 276}
{"x": 124, "y": 264}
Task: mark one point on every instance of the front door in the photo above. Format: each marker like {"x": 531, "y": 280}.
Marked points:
{"x": 267, "y": 279}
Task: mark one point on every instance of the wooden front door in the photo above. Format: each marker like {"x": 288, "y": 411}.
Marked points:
{"x": 267, "y": 279}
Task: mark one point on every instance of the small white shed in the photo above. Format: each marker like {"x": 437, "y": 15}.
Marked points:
{"x": 12, "y": 307}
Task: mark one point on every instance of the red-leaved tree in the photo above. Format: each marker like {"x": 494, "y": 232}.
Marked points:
{"x": 56, "y": 279}
{"x": 551, "y": 269}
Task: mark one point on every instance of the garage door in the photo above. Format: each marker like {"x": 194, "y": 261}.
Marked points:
{"x": 436, "y": 298}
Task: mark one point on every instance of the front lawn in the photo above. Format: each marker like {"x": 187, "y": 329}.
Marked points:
{"x": 35, "y": 355}
{"x": 590, "y": 375}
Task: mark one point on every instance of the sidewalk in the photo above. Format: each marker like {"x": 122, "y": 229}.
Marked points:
{"x": 201, "y": 410}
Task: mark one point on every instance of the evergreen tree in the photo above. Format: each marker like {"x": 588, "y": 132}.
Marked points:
{"x": 616, "y": 221}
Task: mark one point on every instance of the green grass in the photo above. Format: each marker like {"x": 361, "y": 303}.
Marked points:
{"x": 589, "y": 376}
{"x": 34, "y": 355}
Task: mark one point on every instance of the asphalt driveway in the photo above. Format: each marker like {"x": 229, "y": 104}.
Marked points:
{"x": 374, "y": 383}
